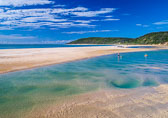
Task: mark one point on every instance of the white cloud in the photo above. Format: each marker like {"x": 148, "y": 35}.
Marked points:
{"x": 54, "y": 17}
{"x": 5, "y": 28}
{"x": 94, "y": 31}
{"x": 18, "y": 3}
{"x": 93, "y": 13}
{"x": 64, "y": 11}
{"x": 138, "y": 24}
{"x": 16, "y": 36}
{"x": 108, "y": 16}
{"x": 56, "y": 42}
{"x": 110, "y": 19}
{"x": 82, "y": 21}
{"x": 37, "y": 18}
{"x": 164, "y": 22}
{"x": 42, "y": 18}
{"x": 71, "y": 24}
{"x": 59, "y": 5}
{"x": 141, "y": 25}
{"x": 1, "y": 10}
{"x": 85, "y": 21}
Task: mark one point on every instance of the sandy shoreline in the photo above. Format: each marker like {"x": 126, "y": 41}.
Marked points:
{"x": 20, "y": 59}
{"x": 149, "y": 102}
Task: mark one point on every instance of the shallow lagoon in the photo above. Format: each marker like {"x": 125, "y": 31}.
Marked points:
{"x": 21, "y": 91}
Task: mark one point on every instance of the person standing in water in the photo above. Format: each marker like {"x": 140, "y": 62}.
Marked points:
{"x": 118, "y": 54}
{"x": 119, "y": 57}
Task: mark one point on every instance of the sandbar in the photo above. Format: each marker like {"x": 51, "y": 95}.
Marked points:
{"x": 20, "y": 59}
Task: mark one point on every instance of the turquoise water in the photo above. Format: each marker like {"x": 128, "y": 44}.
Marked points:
{"x": 24, "y": 46}
{"x": 21, "y": 91}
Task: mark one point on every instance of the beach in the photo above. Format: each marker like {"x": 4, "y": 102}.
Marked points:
{"x": 20, "y": 59}
{"x": 83, "y": 59}
{"x": 101, "y": 87}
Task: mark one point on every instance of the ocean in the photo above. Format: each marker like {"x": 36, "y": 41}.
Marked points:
{"x": 25, "y": 46}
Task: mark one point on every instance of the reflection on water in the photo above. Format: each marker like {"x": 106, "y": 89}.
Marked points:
{"x": 20, "y": 91}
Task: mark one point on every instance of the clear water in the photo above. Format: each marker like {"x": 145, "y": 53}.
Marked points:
{"x": 24, "y": 46}
{"x": 21, "y": 91}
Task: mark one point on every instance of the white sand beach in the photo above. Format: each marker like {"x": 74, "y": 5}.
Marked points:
{"x": 19, "y": 59}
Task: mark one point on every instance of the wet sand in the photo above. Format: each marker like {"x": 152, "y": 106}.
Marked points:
{"x": 115, "y": 103}
{"x": 19, "y": 59}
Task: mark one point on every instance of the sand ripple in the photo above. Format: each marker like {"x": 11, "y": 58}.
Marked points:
{"x": 135, "y": 103}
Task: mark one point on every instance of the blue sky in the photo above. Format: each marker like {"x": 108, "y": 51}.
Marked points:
{"x": 60, "y": 21}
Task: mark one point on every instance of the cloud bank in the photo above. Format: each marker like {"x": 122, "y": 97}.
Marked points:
{"x": 19, "y": 3}
{"x": 15, "y": 36}
{"x": 54, "y": 17}
{"x": 94, "y": 31}
{"x": 164, "y": 22}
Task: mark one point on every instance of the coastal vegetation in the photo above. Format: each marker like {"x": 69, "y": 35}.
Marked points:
{"x": 151, "y": 38}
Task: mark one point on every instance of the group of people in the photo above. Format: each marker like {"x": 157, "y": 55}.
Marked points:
{"x": 119, "y": 56}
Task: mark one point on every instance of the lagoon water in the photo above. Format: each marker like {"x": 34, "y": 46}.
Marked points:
{"x": 21, "y": 91}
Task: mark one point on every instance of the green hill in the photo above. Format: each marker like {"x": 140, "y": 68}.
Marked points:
{"x": 151, "y": 38}
{"x": 100, "y": 40}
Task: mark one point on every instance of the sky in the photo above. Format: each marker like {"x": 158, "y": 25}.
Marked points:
{"x": 61, "y": 21}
